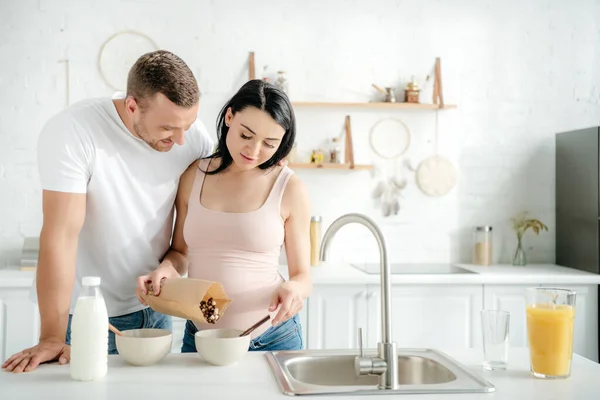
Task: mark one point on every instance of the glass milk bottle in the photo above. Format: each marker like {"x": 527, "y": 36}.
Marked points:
{"x": 89, "y": 333}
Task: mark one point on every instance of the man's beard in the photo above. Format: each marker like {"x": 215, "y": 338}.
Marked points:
{"x": 141, "y": 132}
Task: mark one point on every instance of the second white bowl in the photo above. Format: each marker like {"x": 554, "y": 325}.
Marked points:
{"x": 221, "y": 346}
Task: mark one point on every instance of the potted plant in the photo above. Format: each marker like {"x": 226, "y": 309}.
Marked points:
{"x": 520, "y": 225}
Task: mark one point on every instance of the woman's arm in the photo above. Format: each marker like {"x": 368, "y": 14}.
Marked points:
{"x": 175, "y": 262}
{"x": 297, "y": 235}
{"x": 291, "y": 294}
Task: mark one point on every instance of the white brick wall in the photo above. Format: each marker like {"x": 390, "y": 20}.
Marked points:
{"x": 519, "y": 71}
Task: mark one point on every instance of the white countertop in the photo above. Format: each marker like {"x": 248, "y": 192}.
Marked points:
{"x": 344, "y": 274}
{"x": 494, "y": 274}
{"x": 187, "y": 376}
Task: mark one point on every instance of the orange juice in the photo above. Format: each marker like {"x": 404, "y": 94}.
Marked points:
{"x": 550, "y": 333}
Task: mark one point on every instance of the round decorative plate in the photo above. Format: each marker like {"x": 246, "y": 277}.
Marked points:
{"x": 118, "y": 54}
{"x": 389, "y": 138}
{"x": 436, "y": 176}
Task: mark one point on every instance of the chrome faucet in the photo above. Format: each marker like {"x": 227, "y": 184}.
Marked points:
{"x": 385, "y": 364}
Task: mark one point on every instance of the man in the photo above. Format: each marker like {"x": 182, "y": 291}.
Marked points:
{"x": 109, "y": 170}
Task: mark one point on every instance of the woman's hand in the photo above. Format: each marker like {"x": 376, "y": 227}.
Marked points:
{"x": 288, "y": 297}
{"x": 155, "y": 278}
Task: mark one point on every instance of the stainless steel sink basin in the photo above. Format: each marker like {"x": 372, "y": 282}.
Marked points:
{"x": 331, "y": 372}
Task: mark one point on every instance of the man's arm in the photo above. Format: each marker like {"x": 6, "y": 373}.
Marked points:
{"x": 65, "y": 155}
{"x": 64, "y": 214}
{"x": 176, "y": 257}
{"x": 175, "y": 263}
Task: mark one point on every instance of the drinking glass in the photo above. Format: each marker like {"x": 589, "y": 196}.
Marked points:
{"x": 495, "y": 327}
{"x": 550, "y": 325}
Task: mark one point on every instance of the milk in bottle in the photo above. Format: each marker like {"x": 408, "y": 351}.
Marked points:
{"x": 89, "y": 333}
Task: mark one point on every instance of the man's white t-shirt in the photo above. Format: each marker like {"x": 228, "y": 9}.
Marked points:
{"x": 130, "y": 190}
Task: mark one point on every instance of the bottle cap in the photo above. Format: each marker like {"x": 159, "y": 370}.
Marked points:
{"x": 315, "y": 218}
{"x": 90, "y": 281}
{"x": 483, "y": 228}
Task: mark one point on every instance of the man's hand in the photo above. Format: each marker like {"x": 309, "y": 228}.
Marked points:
{"x": 47, "y": 350}
{"x": 155, "y": 279}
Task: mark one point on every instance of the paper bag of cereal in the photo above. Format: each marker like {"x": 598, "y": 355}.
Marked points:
{"x": 194, "y": 299}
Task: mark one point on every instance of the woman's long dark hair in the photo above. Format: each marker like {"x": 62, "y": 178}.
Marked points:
{"x": 266, "y": 97}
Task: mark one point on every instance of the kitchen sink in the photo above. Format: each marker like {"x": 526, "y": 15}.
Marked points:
{"x": 388, "y": 370}
{"x": 399, "y": 269}
{"x": 331, "y": 372}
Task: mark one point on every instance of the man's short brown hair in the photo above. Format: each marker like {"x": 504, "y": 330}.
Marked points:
{"x": 162, "y": 72}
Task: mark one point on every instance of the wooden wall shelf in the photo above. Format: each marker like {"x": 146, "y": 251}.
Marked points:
{"x": 437, "y": 102}
{"x": 373, "y": 105}
{"x": 329, "y": 166}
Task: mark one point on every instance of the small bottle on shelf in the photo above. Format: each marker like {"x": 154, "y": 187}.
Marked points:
{"x": 315, "y": 240}
{"x": 335, "y": 152}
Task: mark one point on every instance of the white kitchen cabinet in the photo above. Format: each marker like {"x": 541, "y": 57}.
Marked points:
{"x": 428, "y": 315}
{"x": 19, "y": 321}
{"x": 422, "y": 316}
{"x": 434, "y": 315}
{"x": 335, "y": 312}
{"x": 509, "y": 298}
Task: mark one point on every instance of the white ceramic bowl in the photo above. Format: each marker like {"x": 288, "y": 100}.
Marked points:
{"x": 143, "y": 347}
{"x": 221, "y": 346}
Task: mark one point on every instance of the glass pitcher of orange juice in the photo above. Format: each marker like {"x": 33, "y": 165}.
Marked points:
{"x": 550, "y": 325}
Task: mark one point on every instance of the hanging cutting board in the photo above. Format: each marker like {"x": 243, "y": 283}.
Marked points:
{"x": 436, "y": 176}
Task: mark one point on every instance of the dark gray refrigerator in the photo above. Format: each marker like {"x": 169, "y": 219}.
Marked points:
{"x": 578, "y": 199}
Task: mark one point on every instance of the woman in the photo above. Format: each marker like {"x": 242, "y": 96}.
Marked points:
{"x": 237, "y": 208}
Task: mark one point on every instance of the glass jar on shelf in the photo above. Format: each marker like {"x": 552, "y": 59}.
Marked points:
{"x": 482, "y": 250}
